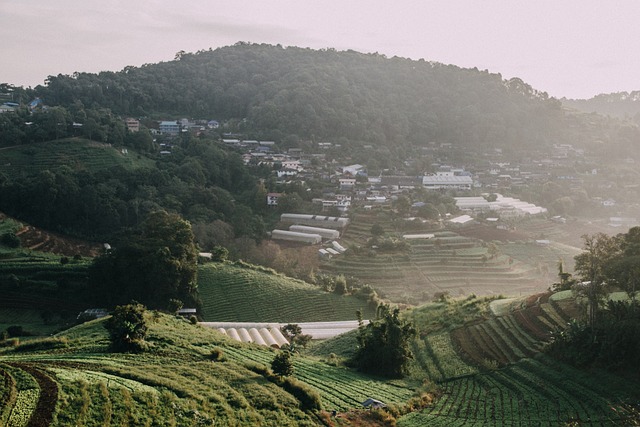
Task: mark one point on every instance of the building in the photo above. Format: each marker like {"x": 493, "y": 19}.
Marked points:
{"x": 315, "y": 220}
{"x": 326, "y": 233}
{"x": 133, "y": 125}
{"x": 169, "y": 127}
{"x": 272, "y": 199}
{"x": 296, "y": 237}
{"x": 347, "y": 183}
{"x": 447, "y": 180}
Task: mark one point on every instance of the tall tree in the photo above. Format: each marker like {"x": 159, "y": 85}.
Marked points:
{"x": 599, "y": 250}
{"x": 155, "y": 263}
{"x": 383, "y": 345}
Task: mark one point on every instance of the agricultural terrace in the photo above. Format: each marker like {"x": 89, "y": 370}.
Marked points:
{"x": 40, "y": 293}
{"x": 448, "y": 262}
{"x": 76, "y": 153}
{"x": 243, "y": 293}
{"x": 71, "y": 379}
{"x": 489, "y": 368}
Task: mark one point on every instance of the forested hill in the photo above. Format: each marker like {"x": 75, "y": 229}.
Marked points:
{"x": 619, "y": 104}
{"x": 327, "y": 94}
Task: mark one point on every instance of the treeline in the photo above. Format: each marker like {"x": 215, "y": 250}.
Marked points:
{"x": 610, "y": 335}
{"x": 200, "y": 181}
{"x": 619, "y": 104}
{"x": 25, "y": 126}
{"x": 278, "y": 93}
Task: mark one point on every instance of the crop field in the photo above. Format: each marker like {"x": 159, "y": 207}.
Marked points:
{"x": 448, "y": 262}
{"x": 532, "y": 392}
{"x": 232, "y": 293}
{"x": 340, "y": 388}
{"x": 75, "y": 153}
{"x": 499, "y": 377}
{"x": 173, "y": 384}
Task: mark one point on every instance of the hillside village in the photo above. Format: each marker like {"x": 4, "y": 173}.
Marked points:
{"x": 351, "y": 185}
{"x": 383, "y": 268}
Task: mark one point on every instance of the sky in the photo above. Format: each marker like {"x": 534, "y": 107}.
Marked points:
{"x": 573, "y": 48}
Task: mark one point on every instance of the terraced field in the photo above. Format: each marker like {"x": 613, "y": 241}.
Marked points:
{"x": 174, "y": 383}
{"x": 532, "y": 392}
{"x": 448, "y": 262}
{"x": 76, "y": 153}
{"x": 491, "y": 372}
{"x": 239, "y": 294}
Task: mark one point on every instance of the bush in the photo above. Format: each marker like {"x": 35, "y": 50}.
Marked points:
{"x": 309, "y": 399}
{"x": 282, "y": 364}
{"x": 10, "y": 240}
{"x": 259, "y": 369}
{"x": 217, "y": 355}
{"x": 11, "y": 342}
{"x": 174, "y": 305}
{"x": 127, "y": 328}
{"x": 17, "y": 331}
{"x": 44, "y": 344}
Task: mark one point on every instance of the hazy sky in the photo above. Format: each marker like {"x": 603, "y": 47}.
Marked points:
{"x": 576, "y": 48}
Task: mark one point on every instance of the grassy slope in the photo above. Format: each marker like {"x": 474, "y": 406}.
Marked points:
{"x": 241, "y": 294}
{"x": 175, "y": 383}
{"x": 77, "y": 153}
{"x": 490, "y": 367}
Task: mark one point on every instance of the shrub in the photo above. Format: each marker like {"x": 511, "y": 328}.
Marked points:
{"x": 282, "y": 364}
{"x": 309, "y": 399}
{"x": 44, "y": 344}
{"x": 259, "y": 369}
{"x": 10, "y": 240}
{"x": 382, "y": 417}
{"x": 217, "y": 355}
{"x": 174, "y": 305}
{"x": 193, "y": 320}
{"x": 17, "y": 331}
{"x": 11, "y": 342}
{"x": 127, "y": 328}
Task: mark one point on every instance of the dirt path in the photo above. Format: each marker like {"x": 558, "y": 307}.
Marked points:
{"x": 43, "y": 414}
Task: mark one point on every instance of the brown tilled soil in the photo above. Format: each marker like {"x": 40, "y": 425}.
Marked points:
{"x": 43, "y": 414}
{"x": 44, "y": 241}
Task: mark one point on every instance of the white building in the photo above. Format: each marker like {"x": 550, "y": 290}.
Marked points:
{"x": 447, "y": 180}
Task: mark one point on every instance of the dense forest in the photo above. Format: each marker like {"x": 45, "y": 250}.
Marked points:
{"x": 274, "y": 92}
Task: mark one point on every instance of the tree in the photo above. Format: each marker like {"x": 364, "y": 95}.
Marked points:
{"x": 599, "y": 250}
{"x": 566, "y": 279}
{"x": 290, "y": 202}
{"x": 383, "y": 345}
{"x": 377, "y": 230}
{"x": 293, "y": 333}
{"x": 403, "y": 205}
{"x": 282, "y": 364}
{"x": 493, "y": 250}
{"x": 127, "y": 328}
{"x": 153, "y": 264}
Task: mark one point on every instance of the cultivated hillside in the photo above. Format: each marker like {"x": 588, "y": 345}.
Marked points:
{"x": 237, "y": 293}
{"x": 72, "y": 378}
{"x": 77, "y": 154}
{"x": 486, "y": 357}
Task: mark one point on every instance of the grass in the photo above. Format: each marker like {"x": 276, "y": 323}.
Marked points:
{"x": 76, "y": 153}
{"x": 175, "y": 382}
{"x": 243, "y": 294}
